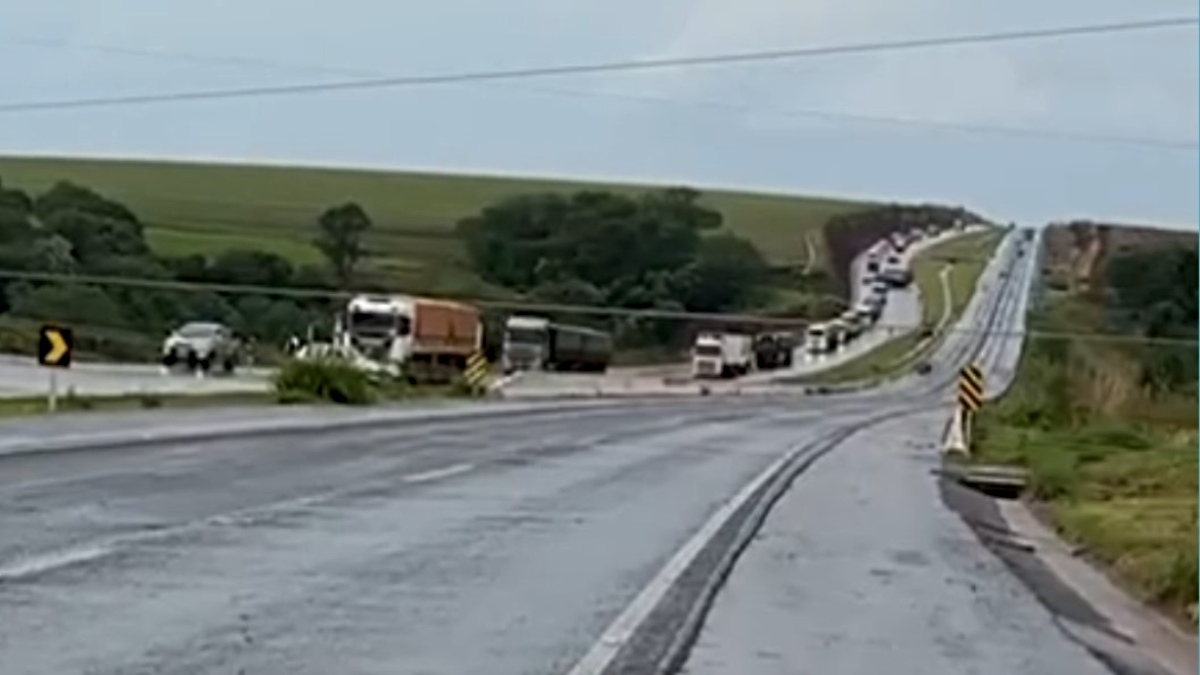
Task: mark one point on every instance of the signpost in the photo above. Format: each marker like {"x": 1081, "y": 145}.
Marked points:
{"x": 477, "y": 371}
{"x": 970, "y": 398}
{"x": 55, "y": 345}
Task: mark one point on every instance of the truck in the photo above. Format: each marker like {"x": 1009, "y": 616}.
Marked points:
{"x": 872, "y": 263}
{"x": 721, "y": 355}
{"x": 896, "y": 276}
{"x": 579, "y": 348}
{"x": 535, "y": 343}
{"x": 428, "y": 340}
{"x": 869, "y": 310}
{"x": 822, "y": 338}
{"x": 774, "y": 350}
{"x": 853, "y": 322}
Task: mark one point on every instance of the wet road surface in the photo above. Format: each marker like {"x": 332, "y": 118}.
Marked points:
{"x": 502, "y": 544}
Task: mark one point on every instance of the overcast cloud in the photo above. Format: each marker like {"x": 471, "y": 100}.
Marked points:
{"x": 737, "y": 125}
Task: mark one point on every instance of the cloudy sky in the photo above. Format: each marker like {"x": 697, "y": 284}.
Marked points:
{"x": 744, "y": 125}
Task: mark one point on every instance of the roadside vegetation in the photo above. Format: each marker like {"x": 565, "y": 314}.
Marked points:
{"x": 965, "y": 257}
{"x": 309, "y": 234}
{"x": 1107, "y": 429}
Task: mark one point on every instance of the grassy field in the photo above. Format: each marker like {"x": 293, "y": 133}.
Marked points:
{"x": 207, "y": 208}
{"x": 967, "y": 256}
{"x": 1112, "y": 469}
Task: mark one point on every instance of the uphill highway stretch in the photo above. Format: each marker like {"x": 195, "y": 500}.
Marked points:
{"x": 529, "y": 542}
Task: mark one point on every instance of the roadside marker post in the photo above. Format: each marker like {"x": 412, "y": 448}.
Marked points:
{"x": 55, "y": 345}
{"x": 970, "y": 399}
{"x": 477, "y": 372}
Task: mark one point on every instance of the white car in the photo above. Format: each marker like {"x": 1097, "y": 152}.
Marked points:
{"x": 201, "y": 345}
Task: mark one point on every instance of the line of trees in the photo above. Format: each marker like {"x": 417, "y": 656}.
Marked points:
{"x": 661, "y": 250}
{"x": 71, "y": 229}
{"x": 1152, "y": 293}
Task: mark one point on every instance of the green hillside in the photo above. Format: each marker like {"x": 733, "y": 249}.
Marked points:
{"x": 209, "y": 208}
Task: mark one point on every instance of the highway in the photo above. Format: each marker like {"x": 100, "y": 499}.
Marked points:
{"x": 22, "y": 377}
{"x": 579, "y": 538}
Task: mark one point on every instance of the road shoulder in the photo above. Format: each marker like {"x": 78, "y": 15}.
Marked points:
{"x": 861, "y": 568}
{"x": 1130, "y": 638}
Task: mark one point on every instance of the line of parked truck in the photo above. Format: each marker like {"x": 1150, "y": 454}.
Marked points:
{"x": 432, "y": 340}
{"x": 732, "y": 354}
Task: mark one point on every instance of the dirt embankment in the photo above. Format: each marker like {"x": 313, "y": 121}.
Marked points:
{"x": 1076, "y": 252}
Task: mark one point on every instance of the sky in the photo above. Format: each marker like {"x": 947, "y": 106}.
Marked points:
{"x": 741, "y": 126}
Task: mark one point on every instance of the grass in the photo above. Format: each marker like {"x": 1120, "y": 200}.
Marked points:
{"x": 92, "y": 343}
{"x": 206, "y": 208}
{"x": 1125, "y": 492}
{"x": 968, "y": 256}
{"x": 1118, "y": 482}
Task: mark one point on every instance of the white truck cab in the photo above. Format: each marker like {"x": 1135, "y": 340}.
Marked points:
{"x": 379, "y": 327}
{"x": 816, "y": 339}
{"x": 722, "y": 355}
{"x": 526, "y": 343}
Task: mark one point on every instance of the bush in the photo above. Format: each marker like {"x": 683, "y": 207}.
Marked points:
{"x": 323, "y": 380}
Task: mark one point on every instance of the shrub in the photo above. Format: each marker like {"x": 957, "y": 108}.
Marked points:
{"x": 323, "y": 380}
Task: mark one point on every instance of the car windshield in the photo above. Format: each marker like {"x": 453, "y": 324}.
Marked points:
{"x": 526, "y": 336}
{"x": 199, "y": 330}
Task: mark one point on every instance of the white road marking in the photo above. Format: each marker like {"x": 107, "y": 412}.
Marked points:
{"x": 49, "y": 561}
{"x": 619, "y": 632}
{"x": 444, "y": 472}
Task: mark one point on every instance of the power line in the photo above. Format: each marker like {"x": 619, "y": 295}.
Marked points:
{"x": 609, "y": 67}
{"x": 795, "y": 113}
{"x": 587, "y": 310}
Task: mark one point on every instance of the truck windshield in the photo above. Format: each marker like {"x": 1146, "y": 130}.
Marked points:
{"x": 708, "y": 350}
{"x": 378, "y": 323}
{"x": 525, "y": 336}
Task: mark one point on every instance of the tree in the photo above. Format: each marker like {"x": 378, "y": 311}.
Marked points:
{"x": 726, "y": 272}
{"x": 52, "y": 254}
{"x": 341, "y": 239}
{"x": 14, "y": 225}
{"x": 251, "y": 268}
{"x": 79, "y": 305}
{"x": 95, "y": 237}
{"x": 67, "y": 196}
{"x": 637, "y": 252}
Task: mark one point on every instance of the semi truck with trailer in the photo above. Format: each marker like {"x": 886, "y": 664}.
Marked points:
{"x": 425, "y": 339}
{"x": 774, "y": 350}
{"x": 722, "y": 355}
{"x": 535, "y": 343}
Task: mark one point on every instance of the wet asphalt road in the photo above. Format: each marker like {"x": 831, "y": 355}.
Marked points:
{"x": 501, "y": 544}
{"x": 455, "y": 547}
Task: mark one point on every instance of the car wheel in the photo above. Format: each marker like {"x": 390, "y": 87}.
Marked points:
{"x": 192, "y": 361}
{"x": 228, "y": 365}
{"x": 205, "y": 364}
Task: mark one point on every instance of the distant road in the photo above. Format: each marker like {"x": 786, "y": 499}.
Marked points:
{"x": 21, "y": 376}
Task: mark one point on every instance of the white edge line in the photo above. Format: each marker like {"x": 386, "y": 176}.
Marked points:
{"x": 619, "y": 632}
{"x": 444, "y": 472}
